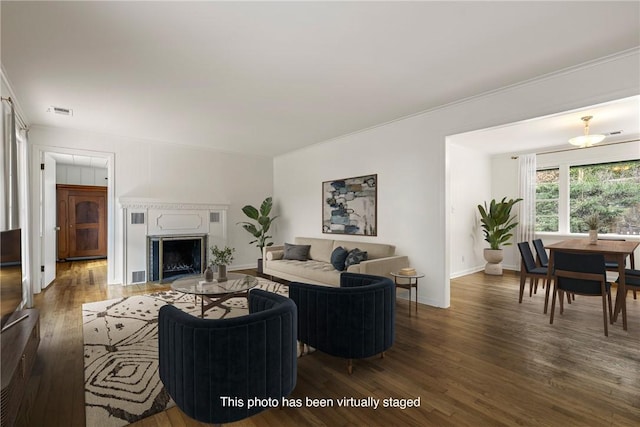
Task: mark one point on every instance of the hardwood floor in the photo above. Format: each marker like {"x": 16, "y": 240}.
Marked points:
{"x": 486, "y": 360}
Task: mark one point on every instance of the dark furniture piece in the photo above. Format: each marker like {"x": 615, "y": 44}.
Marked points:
{"x": 354, "y": 321}
{"x": 19, "y": 349}
{"x": 253, "y": 356}
{"x": 582, "y": 274}
{"x": 633, "y": 284}
{"x": 529, "y": 269}
{"x": 82, "y": 221}
{"x": 541, "y": 253}
{"x": 611, "y": 249}
{"x": 612, "y": 265}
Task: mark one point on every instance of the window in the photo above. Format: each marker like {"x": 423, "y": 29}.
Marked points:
{"x": 568, "y": 194}
{"x": 547, "y": 196}
{"x": 612, "y": 190}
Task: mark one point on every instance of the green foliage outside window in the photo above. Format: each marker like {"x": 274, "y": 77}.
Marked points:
{"x": 611, "y": 190}
{"x": 547, "y": 194}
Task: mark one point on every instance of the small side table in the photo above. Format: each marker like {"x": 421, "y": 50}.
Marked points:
{"x": 412, "y": 283}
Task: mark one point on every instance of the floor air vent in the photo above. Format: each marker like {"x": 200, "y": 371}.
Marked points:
{"x": 138, "y": 276}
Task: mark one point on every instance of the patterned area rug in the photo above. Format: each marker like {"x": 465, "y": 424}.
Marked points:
{"x": 122, "y": 384}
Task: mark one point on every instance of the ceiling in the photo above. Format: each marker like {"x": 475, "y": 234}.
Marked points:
{"x": 618, "y": 120}
{"x": 271, "y": 77}
{"x": 79, "y": 160}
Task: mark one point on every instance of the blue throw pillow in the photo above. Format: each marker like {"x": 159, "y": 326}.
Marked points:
{"x": 356, "y": 256}
{"x": 338, "y": 257}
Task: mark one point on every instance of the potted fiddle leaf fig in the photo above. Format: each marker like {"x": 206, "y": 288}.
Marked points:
{"x": 260, "y": 226}
{"x": 497, "y": 224}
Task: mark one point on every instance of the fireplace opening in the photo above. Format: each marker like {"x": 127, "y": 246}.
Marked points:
{"x": 171, "y": 257}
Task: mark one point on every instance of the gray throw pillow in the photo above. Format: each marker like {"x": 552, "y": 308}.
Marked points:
{"x": 356, "y": 256}
{"x": 296, "y": 252}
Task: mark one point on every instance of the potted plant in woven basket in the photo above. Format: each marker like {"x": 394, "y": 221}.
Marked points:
{"x": 497, "y": 224}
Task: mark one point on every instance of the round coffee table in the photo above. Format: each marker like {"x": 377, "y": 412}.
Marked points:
{"x": 214, "y": 293}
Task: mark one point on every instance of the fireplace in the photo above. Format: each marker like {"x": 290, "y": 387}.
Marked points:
{"x": 171, "y": 257}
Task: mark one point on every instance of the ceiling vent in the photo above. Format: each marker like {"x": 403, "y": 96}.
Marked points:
{"x": 615, "y": 132}
{"x": 60, "y": 111}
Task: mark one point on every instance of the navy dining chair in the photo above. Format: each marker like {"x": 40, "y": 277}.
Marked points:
{"x": 529, "y": 269}
{"x": 541, "y": 253}
{"x": 581, "y": 274}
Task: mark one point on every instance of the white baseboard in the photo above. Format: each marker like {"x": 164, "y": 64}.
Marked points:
{"x": 480, "y": 268}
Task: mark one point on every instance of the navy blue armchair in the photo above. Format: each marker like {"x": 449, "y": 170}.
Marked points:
{"x": 354, "y": 321}
{"x": 203, "y": 361}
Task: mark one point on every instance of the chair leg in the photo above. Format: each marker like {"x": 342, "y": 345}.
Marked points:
{"x": 553, "y": 305}
{"x": 561, "y": 297}
{"x": 617, "y": 306}
{"x": 604, "y": 313}
{"x": 634, "y": 294}
{"x": 610, "y": 309}
{"x": 382, "y": 355}
{"x": 546, "y": 295}
{"x": 531, "y": 279}
{"x": 301, "y": 346}
{"x": 350, "y": 366}
{"x": 523, "y": 279}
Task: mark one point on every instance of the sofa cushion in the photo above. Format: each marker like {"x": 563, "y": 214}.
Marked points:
{"x": 320, "y": 248}
{"x": 316, "y": 271}
{"x": 273, "y": 255}
{"x": 373, "y": 250}
{"x": 338, "y": 258}
{"x": 355, "y": 256}
{"x": 296, "y": 252}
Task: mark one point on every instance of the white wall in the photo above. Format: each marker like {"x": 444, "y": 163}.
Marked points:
{"x": 470, "y": 174}
{"x": 173, "y": 173}
{"x": 504, "y": 183}
{"x": 409, "y": 157}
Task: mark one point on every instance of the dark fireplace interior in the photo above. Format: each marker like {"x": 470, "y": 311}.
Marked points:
{"x": 171, "y": 257}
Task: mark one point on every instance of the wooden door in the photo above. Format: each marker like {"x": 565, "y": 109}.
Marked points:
{"x": 82, "y": 221}
{"x": 63, "y": 224}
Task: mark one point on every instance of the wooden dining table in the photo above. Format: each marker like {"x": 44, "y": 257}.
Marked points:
{"x": 613, "y": 250}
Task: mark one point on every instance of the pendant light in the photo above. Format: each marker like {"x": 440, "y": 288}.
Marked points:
{"x": 586, "y": 140}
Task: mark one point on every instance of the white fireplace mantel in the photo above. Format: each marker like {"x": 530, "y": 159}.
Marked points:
{"x": 144, "y": 217}
{"x": 145, "y": 203}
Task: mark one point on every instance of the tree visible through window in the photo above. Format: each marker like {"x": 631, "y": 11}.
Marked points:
{"x": 547, "y": 194}
{"x": 612, "y": 190}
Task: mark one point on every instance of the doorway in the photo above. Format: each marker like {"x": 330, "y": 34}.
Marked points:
{"x": 44, "y": 240}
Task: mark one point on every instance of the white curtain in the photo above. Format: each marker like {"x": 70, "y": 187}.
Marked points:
{"x": 25, "y": 212}
{"x": 525, "y": 231}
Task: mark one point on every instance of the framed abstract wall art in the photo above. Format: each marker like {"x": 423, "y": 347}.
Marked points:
{"x": 349, "y": 206}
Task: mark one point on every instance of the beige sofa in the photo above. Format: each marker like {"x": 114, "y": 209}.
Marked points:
{"x": 318, "y": 270}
